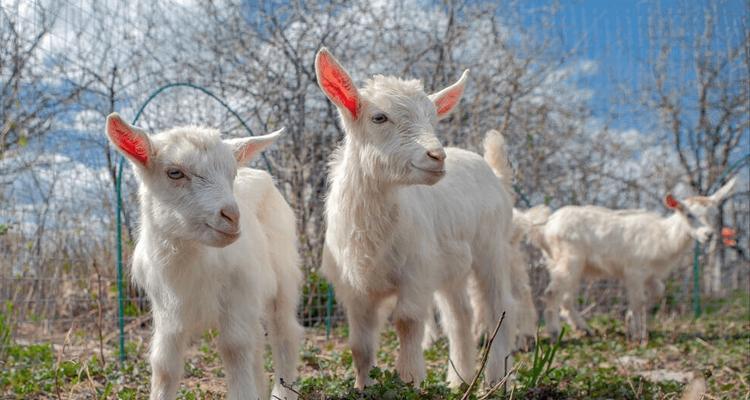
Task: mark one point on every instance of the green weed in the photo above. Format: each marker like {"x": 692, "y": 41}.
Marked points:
{"x": 541, "y": 362}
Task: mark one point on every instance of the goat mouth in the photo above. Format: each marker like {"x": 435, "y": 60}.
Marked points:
{"x": 430, "y": 171}
{"x": 226, "y": 234}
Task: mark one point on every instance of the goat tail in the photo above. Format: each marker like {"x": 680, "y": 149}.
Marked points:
{"x": 535, "y": 219}
{"x": 496, "y": 156}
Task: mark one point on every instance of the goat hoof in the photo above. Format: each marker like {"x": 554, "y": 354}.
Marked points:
{"x": 525, "y": 343}
{"x": 530, "y": 343}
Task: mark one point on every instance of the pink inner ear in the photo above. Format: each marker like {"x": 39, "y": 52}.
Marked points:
{"x": 128, "y": 141}
{"x": 337, "y": 84}
{"x": 671, "y": 202}
{"x": 246, "y": 152}
{"x": 446, "y": 102}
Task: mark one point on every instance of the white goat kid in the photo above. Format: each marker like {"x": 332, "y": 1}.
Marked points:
{"x": 406, "y": 219}
{"x": 526, "y": 314}
{"x": 495, "y": 154}
{"x": 639, "y": 247}
{"x": 206, "y": 260}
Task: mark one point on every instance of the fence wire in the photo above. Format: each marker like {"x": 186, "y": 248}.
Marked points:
{"x": 57, "y": 220}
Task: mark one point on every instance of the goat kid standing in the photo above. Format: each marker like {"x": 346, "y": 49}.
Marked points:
{"x": 495, "y": 153}
{"x": 407, "y": 218}
{"x": 216, "y": 248}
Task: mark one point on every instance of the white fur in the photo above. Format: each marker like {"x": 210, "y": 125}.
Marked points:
{"x": 396, "y": 230}
{"x": 198, "y": 278}
{"x": 526, "y": 314}
{"x": 495, "y": 154}
{"x": 636, "y": 246}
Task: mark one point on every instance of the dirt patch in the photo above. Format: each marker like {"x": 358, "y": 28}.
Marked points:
{"x": 663, "y": 375}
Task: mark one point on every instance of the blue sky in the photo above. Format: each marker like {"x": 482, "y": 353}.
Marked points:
{"x": 614, "y": 34}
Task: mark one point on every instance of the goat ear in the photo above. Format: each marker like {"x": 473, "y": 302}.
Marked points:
{"x": 246, "y": 148}
{"x": 445, "y": 100}
{"x": 132, "y": 142}
{"x": 724, "y": 191}
{"x": 336, "y": 83}
{"x": 672, "y": 203}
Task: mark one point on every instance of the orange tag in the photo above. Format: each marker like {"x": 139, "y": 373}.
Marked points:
{"x": 728, "y": 233}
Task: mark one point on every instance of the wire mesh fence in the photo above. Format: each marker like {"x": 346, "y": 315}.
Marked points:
{"x": 57, "y": 222}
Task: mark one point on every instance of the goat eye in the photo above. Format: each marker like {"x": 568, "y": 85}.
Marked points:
{"x": 379, "y": 118}
{"x": 174, "y": 173}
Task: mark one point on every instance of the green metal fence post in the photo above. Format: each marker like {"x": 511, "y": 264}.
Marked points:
{"x": 120, "y": 305}
{"x": 696, "y": 281}
{"x": 329, "y": 310}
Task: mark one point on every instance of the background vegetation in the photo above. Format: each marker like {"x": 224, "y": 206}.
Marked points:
{"x": 598, "y": 107}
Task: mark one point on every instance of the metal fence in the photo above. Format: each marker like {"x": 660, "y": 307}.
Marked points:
{"x": 58, "y": 236}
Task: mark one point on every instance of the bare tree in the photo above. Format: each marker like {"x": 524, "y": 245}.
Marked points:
{"x": 258, "y": 58}
{"x": 704, "y": 111}
{"x": 519, "y": 83}
{"x": 29, "y": 102}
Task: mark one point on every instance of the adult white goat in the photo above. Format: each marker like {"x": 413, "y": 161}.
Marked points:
{"x": 406, "y": 219}
{"x": 206, "y": 260}
{"x": 639, "y": 247}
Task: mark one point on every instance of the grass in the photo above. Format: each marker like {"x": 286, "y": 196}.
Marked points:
{"x": 541, "y": 363}
{"x": 604, "y": 366}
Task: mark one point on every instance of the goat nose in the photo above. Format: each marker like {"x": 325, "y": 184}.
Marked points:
{"x": 231, "y": 213}
{"x": 436, "y": 154}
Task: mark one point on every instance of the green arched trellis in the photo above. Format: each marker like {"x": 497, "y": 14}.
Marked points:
{"x": 118, "y": 189}
{"x": 697, "y": 310}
